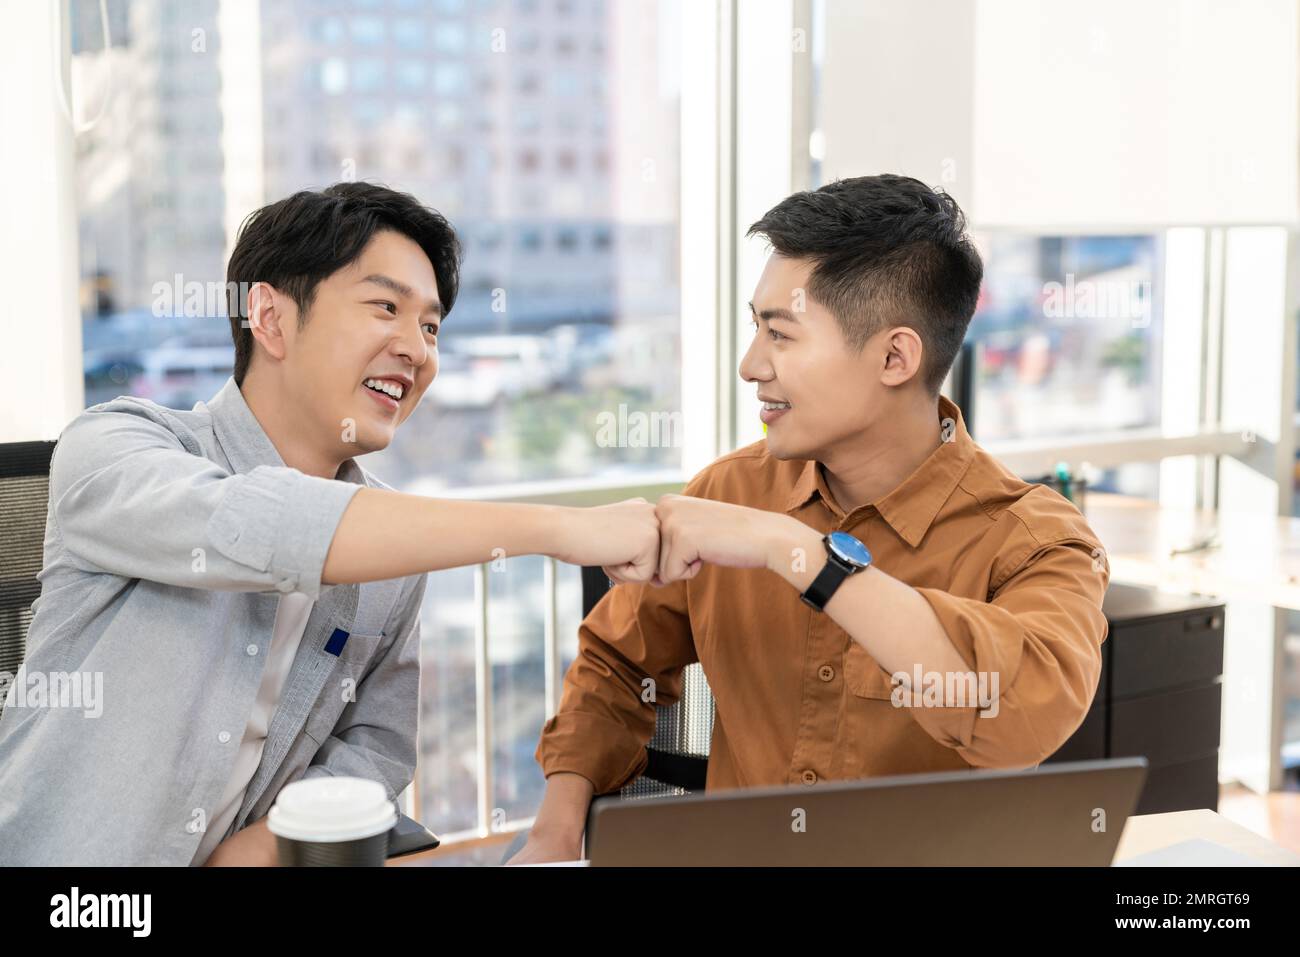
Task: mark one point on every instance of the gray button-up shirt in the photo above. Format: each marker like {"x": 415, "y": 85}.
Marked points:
{"x": 170, "y": 538}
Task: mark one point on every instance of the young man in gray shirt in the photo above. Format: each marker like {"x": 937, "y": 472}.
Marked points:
{"x": 244, "y": 593}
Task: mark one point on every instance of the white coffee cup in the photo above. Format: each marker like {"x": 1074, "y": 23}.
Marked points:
{"x": 332, "y": 822}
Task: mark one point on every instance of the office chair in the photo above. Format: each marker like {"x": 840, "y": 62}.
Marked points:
{"x": 24, "y": 494}
{"x": 678, "y": 752}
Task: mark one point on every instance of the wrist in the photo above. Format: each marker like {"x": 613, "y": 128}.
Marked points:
{"x": 794, "y": 551}
{"x": 550, "y": 525}
{"x": 562, "y": 818}
{"x": 556, "y": 832}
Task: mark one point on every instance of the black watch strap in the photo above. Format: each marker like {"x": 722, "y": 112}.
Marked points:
{"x": 828, "y": 579}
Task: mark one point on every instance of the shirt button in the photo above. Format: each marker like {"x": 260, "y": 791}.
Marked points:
{"x": 826, "y": 672}
{"x": 251, "y": 649}
{"x": 809, "y": 777}
{"x": 223, "y": 737}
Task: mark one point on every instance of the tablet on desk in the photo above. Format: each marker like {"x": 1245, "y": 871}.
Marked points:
{"x": 409, "y": 836}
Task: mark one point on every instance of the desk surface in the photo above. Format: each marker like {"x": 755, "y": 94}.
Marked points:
{"x": 1150, "y": 832}
{"x": 1142, "y": 834}
{"x": 1257, "y": 557}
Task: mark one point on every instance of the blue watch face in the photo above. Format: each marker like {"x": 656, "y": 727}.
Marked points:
{"x": 850, "y": 549}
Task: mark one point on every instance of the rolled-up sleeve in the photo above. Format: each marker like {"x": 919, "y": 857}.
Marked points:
{"x": 632, "y": 650}
{"x": 129, "y": 497}
{"x": 1040, "y": 639}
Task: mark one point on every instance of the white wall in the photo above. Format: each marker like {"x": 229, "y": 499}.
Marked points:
{"x": 897, "y": 91}
{"x": 1060, "y": 115}
{"x": 40, "y": 332}
{"x": 1166, "y": 111}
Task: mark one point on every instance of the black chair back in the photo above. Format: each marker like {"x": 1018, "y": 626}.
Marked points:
{"x": 24, "y": 499}
{"x": 678, "y": 752}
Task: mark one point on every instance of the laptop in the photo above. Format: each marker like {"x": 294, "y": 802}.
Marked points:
{"x": 1058, "y": 814}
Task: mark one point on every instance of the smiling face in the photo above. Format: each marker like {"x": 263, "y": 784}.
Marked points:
{"x": 818, "y": 392}
{"x": 369, "y": 348}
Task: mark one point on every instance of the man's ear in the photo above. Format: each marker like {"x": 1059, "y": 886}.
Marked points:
{"x": 904, "y": 354}
{"x": 266, "y": 311}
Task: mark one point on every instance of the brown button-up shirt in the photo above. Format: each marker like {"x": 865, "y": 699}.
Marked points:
{"x": 1011, "y": 569}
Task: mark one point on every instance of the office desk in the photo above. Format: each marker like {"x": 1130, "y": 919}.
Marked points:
{"x": 1151, "y": 832}
{"x": 1142, "y": 834}
{"x": 1258, "y": 557}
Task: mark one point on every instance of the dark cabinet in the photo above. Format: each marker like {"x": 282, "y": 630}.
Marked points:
{"x": 1159, "y": 696}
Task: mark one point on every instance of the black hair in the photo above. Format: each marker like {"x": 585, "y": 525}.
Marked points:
{"x": 295, "y": 243}
{"x": 887, "y": 250}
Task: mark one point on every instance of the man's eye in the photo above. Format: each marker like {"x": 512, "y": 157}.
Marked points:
{"x": 389, "y": 307}
{"x": 432, "y": 327}
{"x": 777, "y": 335}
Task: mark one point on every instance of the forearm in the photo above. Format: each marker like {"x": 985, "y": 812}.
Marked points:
{"x": 563, "y": 814}
{"x": 254, "y": 846}
{"x": 385, "y": 534}
{"x": 889, "y": 618}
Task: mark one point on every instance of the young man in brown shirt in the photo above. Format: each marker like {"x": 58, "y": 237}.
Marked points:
{"x": 953, "y": 618}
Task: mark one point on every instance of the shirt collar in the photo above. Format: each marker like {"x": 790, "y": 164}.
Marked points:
{"x": 244, "y": 441}
{"x": 910, "y": 509}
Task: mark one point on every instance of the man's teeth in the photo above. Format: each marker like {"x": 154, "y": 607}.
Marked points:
{"x": 393, "y": 389}
{"x": 773, "y": 406}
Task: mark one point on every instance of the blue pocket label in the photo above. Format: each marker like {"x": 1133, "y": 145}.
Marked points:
{"x": 337, "y": 640}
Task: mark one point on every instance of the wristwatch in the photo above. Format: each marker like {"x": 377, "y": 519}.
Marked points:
{"x": 845, "y": 556}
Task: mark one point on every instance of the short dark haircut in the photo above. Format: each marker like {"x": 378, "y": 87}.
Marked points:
{"x": 295, "y": 243}
{"x": 887, "y": 251}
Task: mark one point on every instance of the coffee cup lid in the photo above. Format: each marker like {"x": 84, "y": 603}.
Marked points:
{"x": 331, "y": 809}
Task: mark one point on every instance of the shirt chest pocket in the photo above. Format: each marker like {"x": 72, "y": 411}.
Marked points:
{"x": 343, "y": 685}
{"x": 359, "y": 654}
{"x": 863, "y": 676}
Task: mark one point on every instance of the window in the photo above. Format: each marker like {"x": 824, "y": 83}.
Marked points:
{"x": 410, "y": 34}
{"x": 447, "y": 116}
{"x": 369, "y": 76}
{"x": 527, "y": 120}
{"x": 411, "y": 75}
{"x": 530, "y": 239}
{"x": 333, "y": 74}
{"x": 554, "y": 330}
{"x": 449, "y": 38}
{"x": 329, "y": 30}
{"x": 566, "y": 82}
{"x": 448, "y": 79}
{"x": 1069, "y": 334}
{"x": 367, "y": 31}
{"x": 368, "y": 113}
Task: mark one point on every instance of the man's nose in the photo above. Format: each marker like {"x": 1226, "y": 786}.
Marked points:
{"x": 411, "y": 345}
{"x": 754, "y": 366}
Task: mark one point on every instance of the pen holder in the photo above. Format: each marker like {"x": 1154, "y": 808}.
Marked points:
{"x": 1074, "y": 489}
